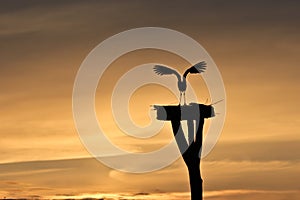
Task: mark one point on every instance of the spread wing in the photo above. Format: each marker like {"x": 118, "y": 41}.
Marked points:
{"x": 196, "y": 69}
{"x": 162, "y": 70}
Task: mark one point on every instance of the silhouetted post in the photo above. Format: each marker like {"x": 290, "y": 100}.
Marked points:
{"x": 190, "y": 149}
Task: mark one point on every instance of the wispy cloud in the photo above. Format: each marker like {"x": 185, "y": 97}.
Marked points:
{"x": 212, "y": 195}
{"x": 28, "y": 173}
{"x": 252, "y": 194}
{"x": 90, "y": 176}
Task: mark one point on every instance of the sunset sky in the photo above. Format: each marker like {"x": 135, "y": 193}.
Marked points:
{"x": 255, "y": 45}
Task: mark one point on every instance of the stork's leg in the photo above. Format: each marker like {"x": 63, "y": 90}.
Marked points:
{"x": 180, "y": 98}
{"x": 184, "y": 98}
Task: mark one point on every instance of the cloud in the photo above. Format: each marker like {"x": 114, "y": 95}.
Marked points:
{"x": 90, "y": 176}
{"x": 256, "y": 150}
{"x": 25, "y": 18}
{"x": 10, "y": 189}
{"x": 26, "y": 173}
{"x": 252, "y": 194}
{"x": 212, "y": 195}
{"x": 273, "y": 175}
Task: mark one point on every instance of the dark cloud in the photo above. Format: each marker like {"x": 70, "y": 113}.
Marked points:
{"x": 14, "y": 6}
{"x": 36, "y": 29}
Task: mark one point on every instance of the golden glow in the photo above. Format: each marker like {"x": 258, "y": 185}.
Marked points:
{"x": 43, "y": 46}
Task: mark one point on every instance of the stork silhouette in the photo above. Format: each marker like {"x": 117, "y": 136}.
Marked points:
{"x": 195, "y": 69}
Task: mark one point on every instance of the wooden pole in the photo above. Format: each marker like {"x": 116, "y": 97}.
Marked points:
{"x": 190, "y": 149}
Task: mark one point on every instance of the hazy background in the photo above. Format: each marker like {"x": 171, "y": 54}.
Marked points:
{"x": 255, "y": 44}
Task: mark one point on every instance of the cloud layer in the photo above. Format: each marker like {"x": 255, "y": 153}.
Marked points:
{"x": 255, "y": 45}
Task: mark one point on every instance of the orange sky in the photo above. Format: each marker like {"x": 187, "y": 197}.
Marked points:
{"x": 254, "y": 44}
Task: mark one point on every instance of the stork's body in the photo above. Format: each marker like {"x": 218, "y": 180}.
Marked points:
{"x": 182, "y": 88}
{"x": 181, "y": 80}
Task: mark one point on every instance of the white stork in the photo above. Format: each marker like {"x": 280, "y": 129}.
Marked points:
{"x": 195, "y": 69}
